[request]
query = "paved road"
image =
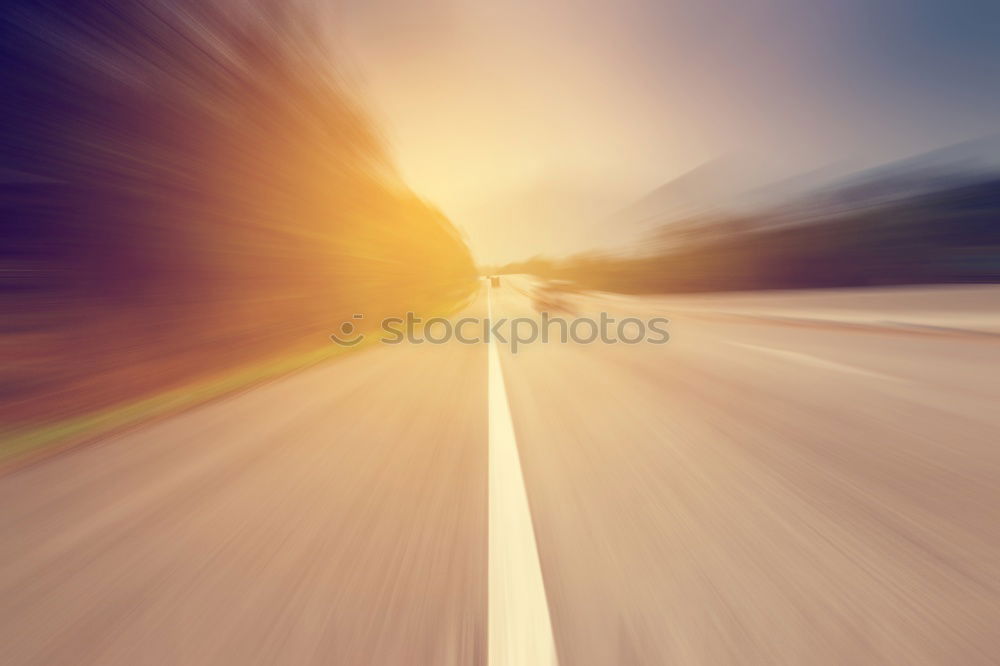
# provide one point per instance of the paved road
(758, 490)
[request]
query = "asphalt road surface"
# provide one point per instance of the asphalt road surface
(786, 481)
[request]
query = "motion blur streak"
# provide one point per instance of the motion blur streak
(704, 503)
(334, 517)
(187, 187)
(694, 503)
(196, 205)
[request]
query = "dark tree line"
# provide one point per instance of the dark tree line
(948, 236)
(185, 185)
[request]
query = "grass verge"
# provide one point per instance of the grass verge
(19, 444)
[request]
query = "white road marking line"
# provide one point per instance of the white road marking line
(519, 627)
(818, 362)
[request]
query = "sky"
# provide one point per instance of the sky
(528, 121)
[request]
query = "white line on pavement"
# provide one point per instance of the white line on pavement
(519, 627)
(816, 361)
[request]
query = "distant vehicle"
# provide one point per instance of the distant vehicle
(494, 280)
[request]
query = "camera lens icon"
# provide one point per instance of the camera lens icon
(347, 337)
